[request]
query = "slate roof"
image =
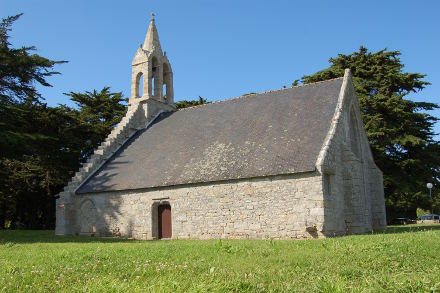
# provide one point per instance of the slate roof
(272, 133)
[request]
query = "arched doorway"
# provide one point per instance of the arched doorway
(164, 221)
(88, 215)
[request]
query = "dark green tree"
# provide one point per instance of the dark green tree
(31, 181)
(41, 146)
(20, 71)
(399, 130)
(190, 103)
(99, 112)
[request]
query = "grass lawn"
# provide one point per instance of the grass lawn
(405, 258)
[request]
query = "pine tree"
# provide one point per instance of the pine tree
(399, 130)
(190, 103)
(20, 71)
(99, 112)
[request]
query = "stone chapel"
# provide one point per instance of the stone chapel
(283, 164)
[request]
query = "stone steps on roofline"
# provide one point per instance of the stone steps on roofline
(114, 140)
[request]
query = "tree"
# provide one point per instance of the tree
(420, 212)
(190, 103)
(30, 182)
(399, 130)
(99, 112)
(20, 70)
(41, 146)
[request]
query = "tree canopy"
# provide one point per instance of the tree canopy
(20, 70)
(41, 146)
(98, 113)
(400, 131)
(32, 176)
(190, 103)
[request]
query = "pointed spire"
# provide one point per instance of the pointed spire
(152, 39)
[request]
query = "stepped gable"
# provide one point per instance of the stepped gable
(272, 133)
(114, 140)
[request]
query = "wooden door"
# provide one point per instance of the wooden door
(165, 221)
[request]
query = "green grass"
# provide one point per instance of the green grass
(404, 259)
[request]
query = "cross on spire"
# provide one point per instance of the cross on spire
(151, 42)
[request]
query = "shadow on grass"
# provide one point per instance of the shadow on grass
(48, 236)
(411, 228)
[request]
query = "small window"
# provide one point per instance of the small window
(152, 87)
(328, 184)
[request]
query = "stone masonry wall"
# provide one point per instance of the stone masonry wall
(355, 202)
(279, 207)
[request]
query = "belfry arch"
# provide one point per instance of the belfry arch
(166, 79)
(139, 85)
(155, 80)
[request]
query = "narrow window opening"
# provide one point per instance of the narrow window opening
(141, 86)
(164, 91)
(328, 184)
(152, 86)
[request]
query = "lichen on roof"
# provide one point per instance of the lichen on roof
(272, 133)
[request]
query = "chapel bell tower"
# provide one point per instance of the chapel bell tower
(152, 76)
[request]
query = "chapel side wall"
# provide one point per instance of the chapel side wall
(278, 207)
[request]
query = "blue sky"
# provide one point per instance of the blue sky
(223, 49)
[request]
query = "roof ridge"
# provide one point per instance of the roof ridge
(261, 93)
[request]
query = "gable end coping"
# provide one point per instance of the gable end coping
(347, 85)
(335, 121)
